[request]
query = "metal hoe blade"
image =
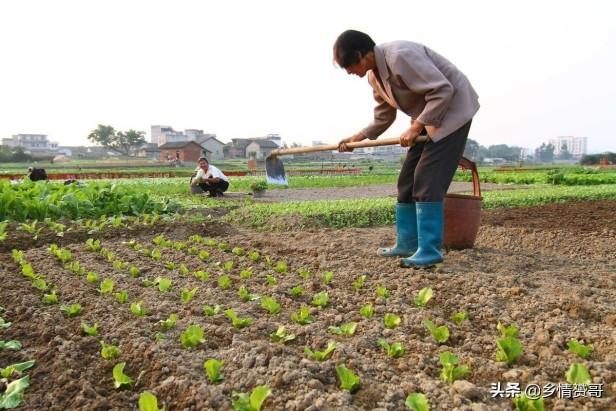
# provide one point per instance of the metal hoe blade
(274, 170)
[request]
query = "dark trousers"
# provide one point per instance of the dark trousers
(429, 167)
(215, 188)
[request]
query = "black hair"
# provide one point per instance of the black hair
(351, 46)
(204, 159)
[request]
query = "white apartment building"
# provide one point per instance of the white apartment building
(577, 146)
(31, 142)
(166, 134)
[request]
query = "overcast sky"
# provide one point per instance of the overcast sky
(248, 68)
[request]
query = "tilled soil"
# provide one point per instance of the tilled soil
(550, 270)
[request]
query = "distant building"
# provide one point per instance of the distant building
(182, 151)
(213, 145)
(149, 150)
(166, 134)
(576, 146)
(31, 142)
(238, 147)
(260, 149)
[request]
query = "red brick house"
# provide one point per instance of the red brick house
(184, 151)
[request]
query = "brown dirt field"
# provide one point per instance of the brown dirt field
(551, 270)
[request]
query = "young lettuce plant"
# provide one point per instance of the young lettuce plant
(239, 251)
(106, 286)
(93, 245)
(359, 283)
(281, 336)
(440, 334)
(193, 250)
(192, 336)
(51, 298)
(523, 403)
(391, 321)
(281, 267)
(188, 295)
(583, 351)
(149, 402)
(296, 291)
(578, 374)
(237, 321)
(270, 280)
(8, 371)
(183, 270)
(121, 296)
(367, 311)
(302, 316)
(346, 330)
(119, 378)
(304, 273)
(348, 380)
(169, 323)
(508, 347)
(224, 246)
(224, 282)
(109, 351)
(320, 299)
(204, 255)
(91, 330)
(394, 350)
(228, 266)
(417, 402)
(422, 298)
(134, 271)
(201, 275)
(245, 295)
(459, 317)
(170, 265)
(13, 394)
(254, 256)
(270, 305)
(328, 277)
(164, 284)
(246, 274)
(321, 356)
(11, 345)
(91, 277)
(210, 311)
(138, 309)
(72, 310)
(212, 368)
(254, 402)
(382, 292)
(450, 371)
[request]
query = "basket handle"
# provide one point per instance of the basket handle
(467, 164)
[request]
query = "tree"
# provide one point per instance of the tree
(118, 141)
(564, 152)
(471, 151)
(545, 153)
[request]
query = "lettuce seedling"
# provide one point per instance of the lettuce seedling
(224, 246)
(201, 275)
(91, 330)
(119, 378)
(391, 321)
(188, 295)
(169, 323)
(40, 284)
(382, 292)
(417, 402)
(270, 280)
(281, 336)
(106, 286)
(578, 374)
(183, 269)
(424, 295)
(18, 256)
(580, 349)
(236, 321)
(245, 295)
(109, 352)
(210, 311)
(10, 345)
(155, 254)
(164, 284)
(509, 331)
(270, 305)
(246, 274)
(8, 371)
(27, 271)
(320, 299)
(254, 256)
(224, 282)
(394, 350)
(508, 349)
(239, 251)
(212, 368)
(450, 372)
(296, 291)
(459, 317)
(440, 334)
(321, 355)
(138, 309)
(91, 277)
(51, 298)
(193, 250)
(159, 240)
(367, 311)
(14, 392)
(110, 256)
(170, 265)
(204, 255)
(359, 283)
(328, 277)
(179, 245)
(523, 403)
(192, 336)
(71, 310)
(196, 238)
(210, 242)
(121, 296)
(134, 271)
(348, 380)
(31, 229)
(304, 273)
(93, 245)
(149, 402)
(120, 265)
(346, 330)
(3, 232)
(268, 261)
(4, 324)
(227, 266)
(302, 316)
(242, 402)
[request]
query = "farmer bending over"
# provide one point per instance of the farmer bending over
(440, 100)
(210, 179)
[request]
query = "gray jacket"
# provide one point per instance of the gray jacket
(422, 84)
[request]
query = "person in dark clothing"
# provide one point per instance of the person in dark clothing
(209, 178)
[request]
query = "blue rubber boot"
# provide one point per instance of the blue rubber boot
(406, 232)
(430, 221)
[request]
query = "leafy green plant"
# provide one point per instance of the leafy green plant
(192, 336)
(359, 283)
(212, 368)
(367, 311)
(296, 291)
(134, 271)
(440, 334)
(254, 402)
(138, 309)
(508, 349)
(423, 296)
(578, 374)
(270, 280)
(224, 282)
(320, 299)
(348, 380)
(303, 272)
(170, 265)
(228, 266)
(523, 403)
(391, 321)
(193, 250)
(394, 350)
(417, 402)
(201, 275)
(204, 255)
(237, 321)
(254, 256)
(328, 277)
(40, 284)
(31, 229)
(239, 251)
(507, 331)
(8, 371)
(321, 355)
(121, 296)
(281, 336)
(93, 245)
(28, 271)
(382, 292)
(302, 316)
(119, 378)
(183, 270)
(459, 317)
(91, 277)
(210, 311)
(224, 246)
(188, 295)
(583, 351)
(169, 323)
(245, 295)
(106, 286)
(149, 402)
(164, 284)
(91, 330)
(210, 242)
(3, 232)
(270, 305)
(246, 274)
(4, 324)
(450, 371)
(13, 394)
(10, 345)
(72, 310)
(346, 330)
(109, 352)
(51, 298)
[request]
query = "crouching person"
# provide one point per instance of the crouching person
(209, 178)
